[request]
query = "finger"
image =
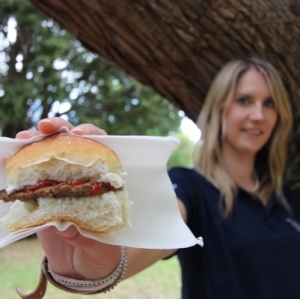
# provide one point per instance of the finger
(88, 129)
(72, 236)
(58, 252)
(70, 233)
(91, 259)
(50, 125)
(27, 134)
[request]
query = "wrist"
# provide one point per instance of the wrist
(84, 286)
(90, 267)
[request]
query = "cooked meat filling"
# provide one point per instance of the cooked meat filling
(59, 190)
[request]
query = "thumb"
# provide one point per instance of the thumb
(70, 233)
(93, 259)
(72, 236)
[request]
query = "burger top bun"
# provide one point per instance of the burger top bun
(63, 157)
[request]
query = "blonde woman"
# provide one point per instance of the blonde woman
(233, 197)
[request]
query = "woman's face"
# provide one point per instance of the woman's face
(251, 116)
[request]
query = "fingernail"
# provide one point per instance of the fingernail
(22, 133)
(78, 131)
(25, 134)
(46, 121)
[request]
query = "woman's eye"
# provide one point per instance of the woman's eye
(243, 101)
(269, 103)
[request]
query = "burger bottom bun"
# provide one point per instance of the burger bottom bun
(104, 213)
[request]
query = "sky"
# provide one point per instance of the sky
(190, 129)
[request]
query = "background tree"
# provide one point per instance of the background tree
(183, 155)
(45, 71)
(176, 47)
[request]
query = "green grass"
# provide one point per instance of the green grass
(20, 264)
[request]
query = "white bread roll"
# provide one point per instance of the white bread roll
(64, 157)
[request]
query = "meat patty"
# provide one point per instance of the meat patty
(58, 191)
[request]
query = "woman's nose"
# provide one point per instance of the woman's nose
(257, 112)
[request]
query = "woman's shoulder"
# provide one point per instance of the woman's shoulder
(293, 201)
(180, 170)
(290, 194)
(188, 177)
(186, 174)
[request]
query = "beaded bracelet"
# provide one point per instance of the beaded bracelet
(104, 284)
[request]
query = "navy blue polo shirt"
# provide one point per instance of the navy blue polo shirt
(255, 254)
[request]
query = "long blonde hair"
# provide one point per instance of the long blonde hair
(270, 160)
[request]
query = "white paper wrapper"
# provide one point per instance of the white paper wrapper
(156, 220)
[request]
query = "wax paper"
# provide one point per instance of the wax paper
(156, 221)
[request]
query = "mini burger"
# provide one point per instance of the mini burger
(66, 178)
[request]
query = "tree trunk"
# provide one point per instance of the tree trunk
(176, 47)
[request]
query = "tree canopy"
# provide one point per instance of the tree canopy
(45, 71)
